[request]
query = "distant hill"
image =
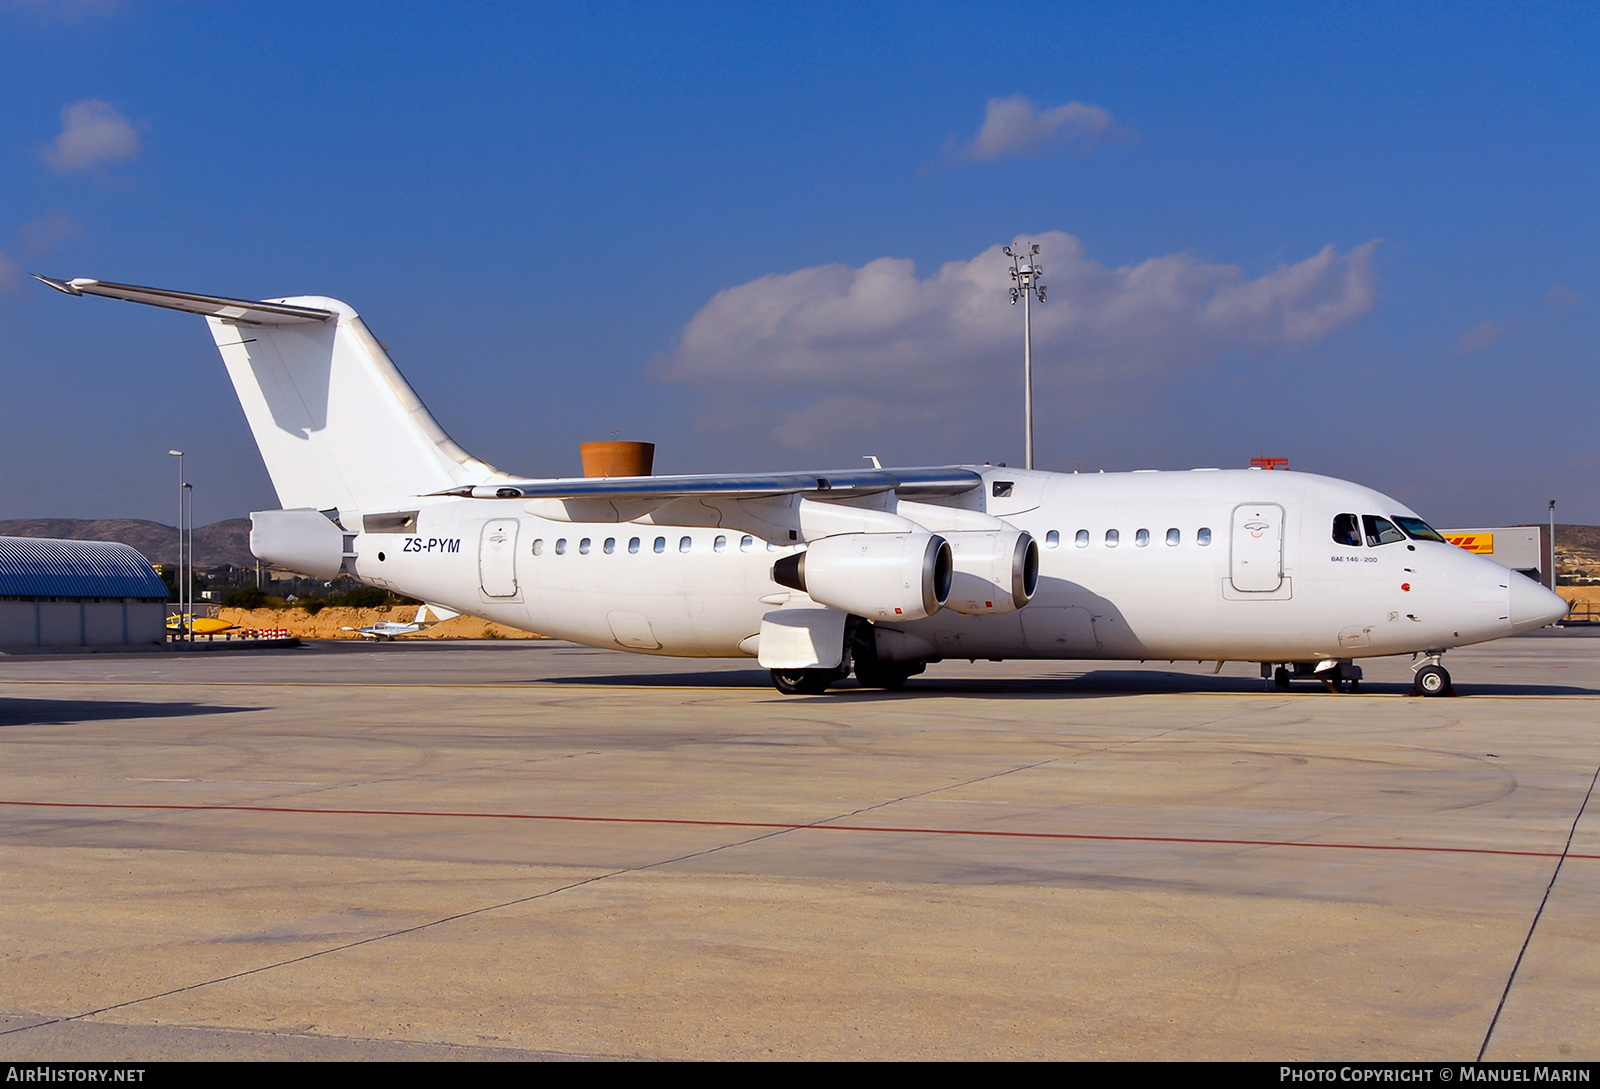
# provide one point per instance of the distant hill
(1578, 542)
(225, 542)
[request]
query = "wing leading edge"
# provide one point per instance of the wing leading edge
(843, 484)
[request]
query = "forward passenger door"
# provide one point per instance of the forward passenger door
(1256, 547)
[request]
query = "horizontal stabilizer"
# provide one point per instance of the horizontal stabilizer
(824, 485)
(212, 306)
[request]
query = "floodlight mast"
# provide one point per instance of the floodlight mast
(1025, 273)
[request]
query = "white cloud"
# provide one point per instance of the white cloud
(1020, 126)
(832, 351)
(92, 132)
(10, 274)
(41, 235)
(1479, 337)
(1564, 297)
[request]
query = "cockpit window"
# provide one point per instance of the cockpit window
(1417, 529)
(1380, 531)
(1347, 530)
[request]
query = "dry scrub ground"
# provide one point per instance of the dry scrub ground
(330, 622)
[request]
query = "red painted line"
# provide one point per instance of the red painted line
(788, 827)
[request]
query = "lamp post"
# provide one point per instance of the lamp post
(1025, 273)
(1553, 571)
(179, 581)
(188, 582)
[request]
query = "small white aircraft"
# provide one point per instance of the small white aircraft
(388, 630)
(876, 571)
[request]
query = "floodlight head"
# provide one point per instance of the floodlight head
(175, 453)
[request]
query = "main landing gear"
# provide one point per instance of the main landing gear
(805, 682)
(1428, 677)
(860, 655)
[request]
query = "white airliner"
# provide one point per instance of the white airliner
(876, 571)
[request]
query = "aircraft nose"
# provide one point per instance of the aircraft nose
(1532, 606)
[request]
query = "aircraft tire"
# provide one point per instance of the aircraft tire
(1432, 680)
(803, 682)
(884, 675)
(1280, 677)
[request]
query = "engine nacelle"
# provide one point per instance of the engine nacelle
(881, 576)
(995, 572)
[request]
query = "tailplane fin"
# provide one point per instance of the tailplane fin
(337, 424)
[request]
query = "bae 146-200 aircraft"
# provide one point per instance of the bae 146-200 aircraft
(817, 575)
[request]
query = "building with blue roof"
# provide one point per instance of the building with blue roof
(78, 594)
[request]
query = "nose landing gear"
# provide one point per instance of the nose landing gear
(1428, 677)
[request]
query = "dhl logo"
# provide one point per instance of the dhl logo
(1481, 543)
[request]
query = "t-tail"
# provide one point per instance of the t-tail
(338, 426)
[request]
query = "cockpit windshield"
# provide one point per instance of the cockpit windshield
(1347, 530)
(1380, 531)
(1417, 529)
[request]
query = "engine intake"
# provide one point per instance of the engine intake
(894, 576)
(994, 572)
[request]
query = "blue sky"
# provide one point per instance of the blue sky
(1362, 238)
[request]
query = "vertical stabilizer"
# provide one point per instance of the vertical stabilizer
(337, 424)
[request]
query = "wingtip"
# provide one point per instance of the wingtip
(64, 286)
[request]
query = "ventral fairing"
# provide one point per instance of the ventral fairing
(818, 575)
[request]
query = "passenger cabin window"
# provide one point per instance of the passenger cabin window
(633, 544)
(1142, 538)
(1173, 537)
(1202, 536)
(720, 544)
(1380, 531)
(685, 543)
(661, 544)
(538, 546)
(561, 547)
(1002, 488)
(1082, 539)
(583, 546)
(746, 543)
(1052, 539)
(1347, 530)
(1113, 538)
(611, 545)
(1418, 530)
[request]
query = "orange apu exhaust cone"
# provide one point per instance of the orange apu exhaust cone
(618, 458)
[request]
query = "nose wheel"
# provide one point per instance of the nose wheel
(1429, 678)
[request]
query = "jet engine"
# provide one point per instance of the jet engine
(994, 572)
(893, 576)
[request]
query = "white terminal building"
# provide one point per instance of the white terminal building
(78, 594)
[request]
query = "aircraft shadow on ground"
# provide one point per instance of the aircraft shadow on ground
(1095, 683)
(32, 712)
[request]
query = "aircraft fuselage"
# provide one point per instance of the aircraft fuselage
(1204, 565)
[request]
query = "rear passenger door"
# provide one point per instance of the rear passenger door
(497, 558)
